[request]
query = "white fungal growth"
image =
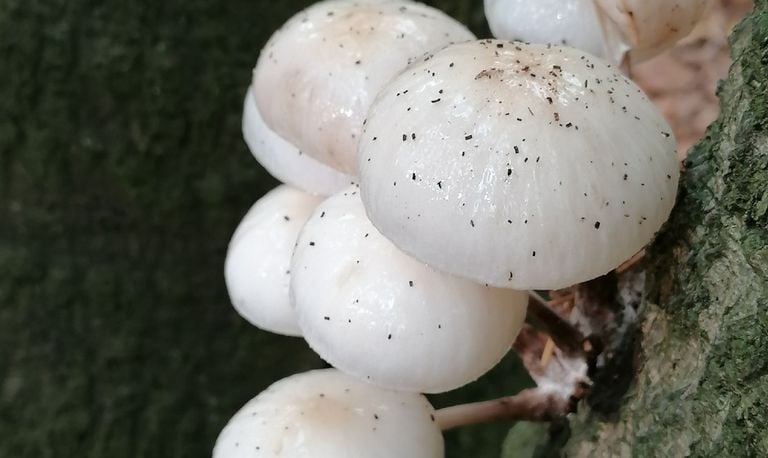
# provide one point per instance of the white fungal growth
(374, 312)
(257, 268)
(319, 73)
(327, 414)
(562, 22)
(523, 166)
(283, 160)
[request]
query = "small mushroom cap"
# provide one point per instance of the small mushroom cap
(562, 22)
(646, 28)
(378, 314)
(283, 160)
(319, 73)
(257, 267)
(523, 166)
(327, 414)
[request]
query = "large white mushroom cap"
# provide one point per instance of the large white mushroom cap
(283, 160)
(522, 166)
(319, 73)
(378, 314)
(613, 29)
(257, 267)
(327, 414)
(563, 22)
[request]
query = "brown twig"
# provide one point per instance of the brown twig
(532, 404)
(629, 263)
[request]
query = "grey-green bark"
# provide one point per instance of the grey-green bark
(700, 386)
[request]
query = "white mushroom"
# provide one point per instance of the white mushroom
(328, 62)
(257, 268)
(523, 166)
(373, 312)
(562, 22)
(327, 414)
(614, 29)
(283, 160)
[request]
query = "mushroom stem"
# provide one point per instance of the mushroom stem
(532, 404)
(569, 339)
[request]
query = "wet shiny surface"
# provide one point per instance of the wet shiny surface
(372, 311)
(319, 73)
(257, 267)
(517, 165)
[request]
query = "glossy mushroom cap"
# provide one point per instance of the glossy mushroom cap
(327, 414)
(319, 73)
(522, 166)
(283, 160)
(374, 312)
(257, 267)
(562, 22)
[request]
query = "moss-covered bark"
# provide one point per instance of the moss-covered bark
(701, 382)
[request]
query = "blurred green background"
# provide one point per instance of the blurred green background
(122, 176)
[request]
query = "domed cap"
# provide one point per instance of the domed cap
(326, 414)
(374, 312)
(319, 73)
(523, 166)
(283, 160)
(257, 267)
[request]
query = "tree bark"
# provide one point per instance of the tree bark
(700, 379)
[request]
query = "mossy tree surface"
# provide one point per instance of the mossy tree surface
(701, 381)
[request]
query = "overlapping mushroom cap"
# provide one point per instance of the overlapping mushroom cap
(283, 160)
(563, 22)
(523, 166)
(257, 267)
(318, 74)
(645, 28)
(374, 312)
(326, 414)
(613, 29)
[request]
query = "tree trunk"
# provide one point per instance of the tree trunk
(700, 379)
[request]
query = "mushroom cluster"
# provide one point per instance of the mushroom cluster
(431, 179)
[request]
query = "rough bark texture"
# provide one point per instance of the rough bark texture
(701, 361)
